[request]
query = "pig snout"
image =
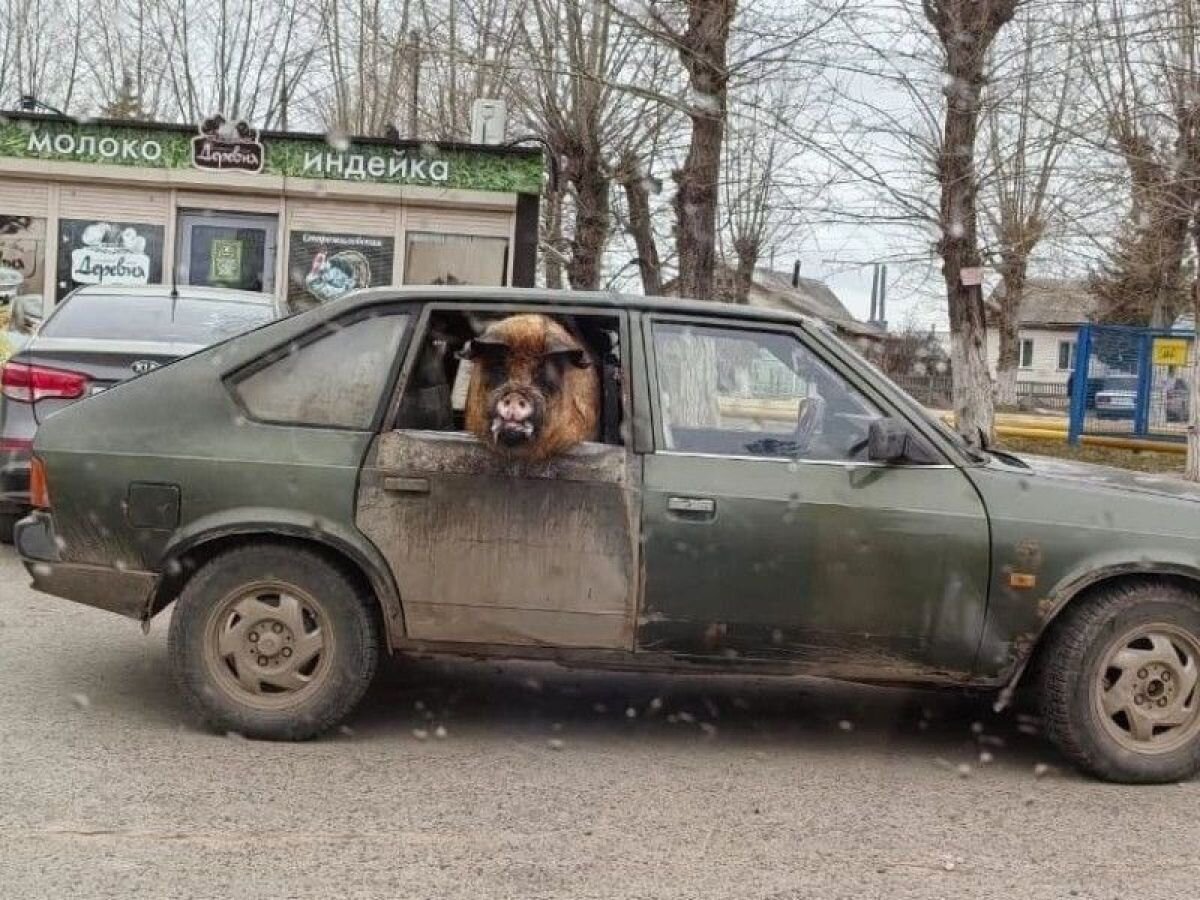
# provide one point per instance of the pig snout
(514, 407)
(516, 414)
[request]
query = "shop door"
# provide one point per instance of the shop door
(232, 250)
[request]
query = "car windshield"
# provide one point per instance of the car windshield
(186, 320)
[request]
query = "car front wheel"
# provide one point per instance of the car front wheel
(1119, 691)
(272, 642)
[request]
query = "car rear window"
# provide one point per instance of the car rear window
(188, 320)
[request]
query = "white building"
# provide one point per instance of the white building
(1051, 312)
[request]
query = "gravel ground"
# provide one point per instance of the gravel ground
(476, 780)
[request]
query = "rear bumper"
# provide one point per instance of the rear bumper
(125, 592)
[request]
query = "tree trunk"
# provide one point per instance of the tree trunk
(966, 29)
(743, 277)
(641, 226)
(592, 220)
(703, 51)
(1009, 358)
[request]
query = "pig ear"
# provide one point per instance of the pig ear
(482, 346)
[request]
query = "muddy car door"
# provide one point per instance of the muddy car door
(490, 550)
(768, 532)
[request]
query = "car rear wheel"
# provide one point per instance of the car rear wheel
(273, 642)
(1119, 683)
(8, 523)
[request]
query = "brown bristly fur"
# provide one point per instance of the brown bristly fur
(572, 414)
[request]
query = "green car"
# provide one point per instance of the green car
(750, 496)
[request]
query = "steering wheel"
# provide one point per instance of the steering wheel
(809, 420)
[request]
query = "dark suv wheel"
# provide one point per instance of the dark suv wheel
(1119, 689)
(272, 641)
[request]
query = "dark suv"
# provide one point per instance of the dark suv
(100, 335)
(755, 498)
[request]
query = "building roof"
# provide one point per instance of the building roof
(809, 297)
(771, 290)
(1051, 302)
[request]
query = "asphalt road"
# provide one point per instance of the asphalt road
(544, 786)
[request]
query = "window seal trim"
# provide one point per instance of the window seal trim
(800, 461)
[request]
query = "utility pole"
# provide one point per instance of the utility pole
(283, 99)
(414, 81)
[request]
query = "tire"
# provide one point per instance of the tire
(1119, 685)
(8, 523)
(273, 685)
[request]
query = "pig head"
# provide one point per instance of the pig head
(534, 389)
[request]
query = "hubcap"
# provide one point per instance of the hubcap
(1146, 691)
(267, 644)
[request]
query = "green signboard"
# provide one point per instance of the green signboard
(151, 147)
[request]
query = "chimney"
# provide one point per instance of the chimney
(796, 274)
(882, 297)
(874, 292)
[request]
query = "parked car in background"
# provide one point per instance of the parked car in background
(97, 337)
(1117, 397)
(755, 499)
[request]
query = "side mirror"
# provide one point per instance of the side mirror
(891, 441)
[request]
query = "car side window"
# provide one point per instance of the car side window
(435, 397)
(732, 392)
(333, 380)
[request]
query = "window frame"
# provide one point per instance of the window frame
(420, 330)
(1070, 366)
(319, 330)
(1022, 343)
(505, 266)
(847, 373)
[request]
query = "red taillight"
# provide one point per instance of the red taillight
(39, 491)
(28, 384)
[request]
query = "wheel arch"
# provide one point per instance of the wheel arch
(1075, 591)
(353, 553)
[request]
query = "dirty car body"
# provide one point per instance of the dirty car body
(716, 528)
(100, 335)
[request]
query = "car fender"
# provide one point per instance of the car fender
(1085, 575)
(267, 521)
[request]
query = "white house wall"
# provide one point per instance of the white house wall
(1044, 368)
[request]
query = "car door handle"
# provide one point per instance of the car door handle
(400, 485)
(692, 507)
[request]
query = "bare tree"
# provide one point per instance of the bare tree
(965, 30)
(40, 43)
(1135, 74)
(576, 56)
(1028, 131)
(239, 58)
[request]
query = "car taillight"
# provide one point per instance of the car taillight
(39, 491)
(28, 384)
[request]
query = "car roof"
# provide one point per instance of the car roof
(601, 300)
(186, 292)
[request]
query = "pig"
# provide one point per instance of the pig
(534, 390)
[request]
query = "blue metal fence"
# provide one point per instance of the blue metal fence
(1131, 381)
